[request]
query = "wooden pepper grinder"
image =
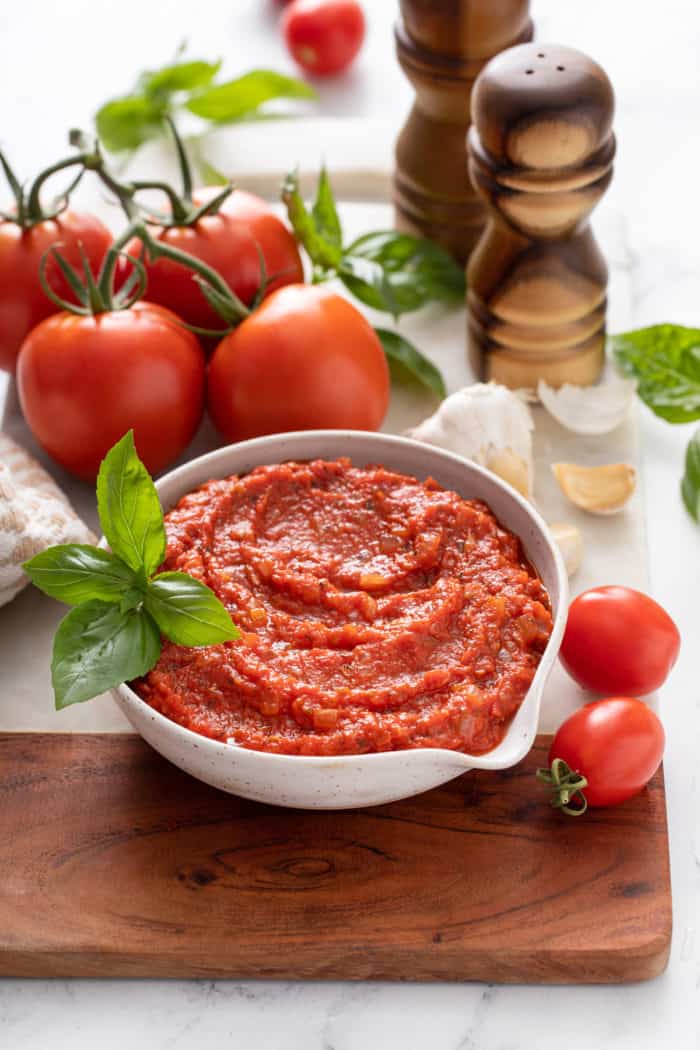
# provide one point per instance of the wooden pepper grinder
(442, 45)
(540, 154)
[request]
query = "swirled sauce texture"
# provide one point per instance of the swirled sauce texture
(378, 612)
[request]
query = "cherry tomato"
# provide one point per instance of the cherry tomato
(228, 242)
(306, 358)
(618, 640)
(23, 302)
(617, 744)
(323, 36)
(84, 381)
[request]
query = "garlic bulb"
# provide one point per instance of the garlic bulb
(599, 490)
(570, 543)
(34, 514)
(488, 424)
(589, 410)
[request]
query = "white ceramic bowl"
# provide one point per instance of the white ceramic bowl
(350, 781)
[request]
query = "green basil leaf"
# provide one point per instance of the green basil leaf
(75, 573)
(180, 76)
(237, 99)
(127, 122)
(130, 512)
(187, 611)
(417, 270)
(325, 212)
(406, 361)
(369, 282)
(324, 253)
(690, 485)
(665, 359)
(97, 646)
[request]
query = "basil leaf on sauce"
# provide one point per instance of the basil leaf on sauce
(187, 611)
(98, 646)
(665, 359)
(690, 485)
(407, 362)
(130, 513)
(77, 572)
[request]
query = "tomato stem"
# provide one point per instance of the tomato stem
(567, 786)
(29, 210)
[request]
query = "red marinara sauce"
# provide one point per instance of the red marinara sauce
(378, 612)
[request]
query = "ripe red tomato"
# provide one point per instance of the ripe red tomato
(276, 242)
(323, 36)
(306, 358)
(228, 242)
(617, 744)
(23, 302)
(618, 640)
(84, 381)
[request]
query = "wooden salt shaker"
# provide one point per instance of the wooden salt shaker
(442, 45)
(540, 154)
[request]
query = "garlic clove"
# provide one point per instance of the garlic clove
(512, 468)
(570, 543)
(488, 424)
(589, 410)
(598, 490)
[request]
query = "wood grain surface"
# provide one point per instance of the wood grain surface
(541, 152)
(114, 863)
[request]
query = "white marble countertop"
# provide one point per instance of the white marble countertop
(57, 63)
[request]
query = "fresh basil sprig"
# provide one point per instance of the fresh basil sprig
(127, 122)
(690, 485)
(122, 606)
(405, 362)
(391, 272)
(665, 361)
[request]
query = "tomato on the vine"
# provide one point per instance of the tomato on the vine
(27, 232)
(615, 745)
(230, 242)
(618, 640)
(84, 381)
(305, 359)
(324, 36)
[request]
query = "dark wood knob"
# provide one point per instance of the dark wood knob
(541, 150)
(442, 46)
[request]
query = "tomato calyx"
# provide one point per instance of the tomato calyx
(28, 209)
(183, 210)
(567, 786)
(95, 295)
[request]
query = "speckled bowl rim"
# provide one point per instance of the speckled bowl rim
(221, 462)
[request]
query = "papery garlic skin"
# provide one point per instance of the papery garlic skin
(589, 410)
(488, 424)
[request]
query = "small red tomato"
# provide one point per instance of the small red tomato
(616, 744)
(84, 381)
(305, 359)
(324, 36)
(618, 640)
(23, 302)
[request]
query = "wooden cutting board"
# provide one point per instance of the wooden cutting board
(116, 864)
